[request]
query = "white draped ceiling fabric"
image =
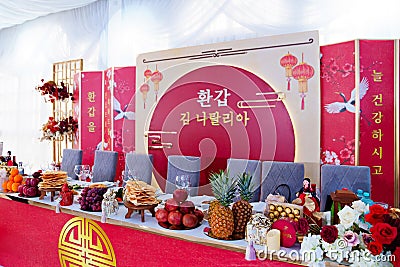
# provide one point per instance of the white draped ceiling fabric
(37, 33)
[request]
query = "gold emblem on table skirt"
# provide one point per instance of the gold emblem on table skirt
(83, 243)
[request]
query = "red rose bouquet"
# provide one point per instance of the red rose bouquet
(365, 236)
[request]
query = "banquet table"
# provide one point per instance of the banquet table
(30, 231)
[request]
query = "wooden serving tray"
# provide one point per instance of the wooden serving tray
(43, 192)
(140, 208)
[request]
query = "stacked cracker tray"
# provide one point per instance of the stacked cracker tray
(140, 193)
(52, 180)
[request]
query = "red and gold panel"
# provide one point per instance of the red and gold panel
(88, 110)
(119, 112)
(377, 134)
(83, 242)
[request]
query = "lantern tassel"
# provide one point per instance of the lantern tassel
(288, 83)
(302, 95)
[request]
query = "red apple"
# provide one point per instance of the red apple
(190, 220)
(175, 217)
(162, 215)
(199, 214)
(180, 195)
(187, 207)
(171, 204)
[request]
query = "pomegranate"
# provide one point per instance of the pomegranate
(25, 190)
(28, 181)
(190, 220)
(162, 215)
(34, 181)
(187, 207)
(171, 204)
(21, 190)
(175, 217)
(180, 195)
(199, 214)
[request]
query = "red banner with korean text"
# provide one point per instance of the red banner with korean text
(88, 109)
(376, 87)
(119, 112)
(377, 136)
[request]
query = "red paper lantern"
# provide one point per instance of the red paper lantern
(156, 78)
(144, 89)
(302, 73)
(147, 74)
(288, 61)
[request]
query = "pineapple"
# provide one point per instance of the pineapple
(221, 218)
(242, 209)
(213, 205)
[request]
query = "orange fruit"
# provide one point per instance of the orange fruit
(5, 185)
(18, 178)
(14, 187)
(11, 178)
(14, 171)
(9, 185)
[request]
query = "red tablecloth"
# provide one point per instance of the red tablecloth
(29, 237)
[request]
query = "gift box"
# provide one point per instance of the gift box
(257, 229)
(276, 210)
(288, 232)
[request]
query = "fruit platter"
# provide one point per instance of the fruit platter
(179, 213)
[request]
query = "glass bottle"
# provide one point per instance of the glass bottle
(20, 168)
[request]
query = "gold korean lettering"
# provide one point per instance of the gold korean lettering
(377, 134)
(377, 76)
(91, 127)
(91, 96)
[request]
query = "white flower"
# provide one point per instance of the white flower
(310, 242)
(310, 248)
(341, 229)
(328, 157)
(348, 216)
(360, 206)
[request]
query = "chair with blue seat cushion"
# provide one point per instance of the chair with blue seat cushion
(139, 165)
(105, 166)
(183, 165)
(335, 177)
(70, 158)
(237, 167)
(284, 178)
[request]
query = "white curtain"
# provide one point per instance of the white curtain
(109, 33)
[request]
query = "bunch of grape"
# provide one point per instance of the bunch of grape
(90, 199)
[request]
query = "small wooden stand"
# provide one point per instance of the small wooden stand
(340, 199)
(131, 208)
(52, 191)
